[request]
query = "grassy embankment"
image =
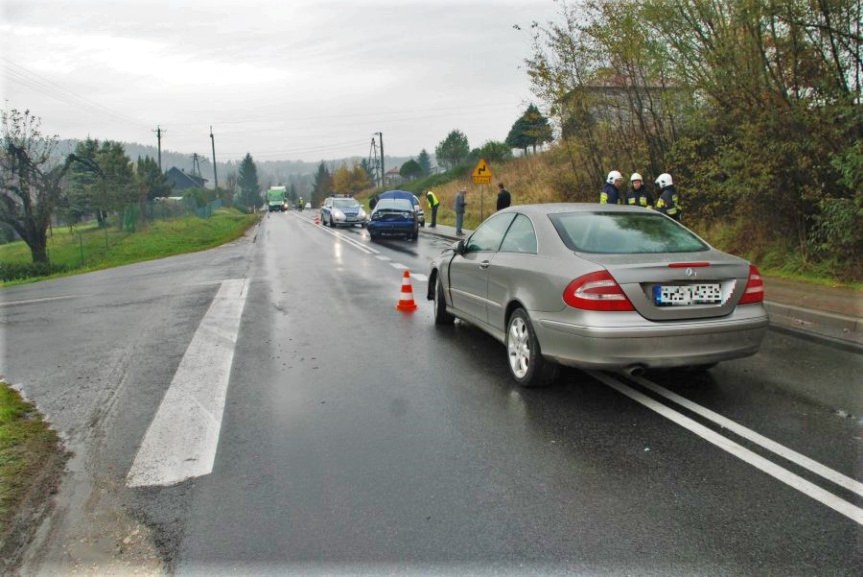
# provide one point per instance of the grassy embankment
(536, 178)
(89, 248)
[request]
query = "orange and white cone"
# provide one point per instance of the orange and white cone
(406, 298)
(317, 219)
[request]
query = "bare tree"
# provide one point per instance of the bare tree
(29, 182)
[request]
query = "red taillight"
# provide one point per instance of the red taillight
(754, 291)
(596, 291)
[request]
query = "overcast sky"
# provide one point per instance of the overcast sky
(280, 79)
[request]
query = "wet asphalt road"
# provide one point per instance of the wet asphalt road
(360, 440)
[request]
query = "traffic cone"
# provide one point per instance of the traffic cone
(406, 298)
(317, 219)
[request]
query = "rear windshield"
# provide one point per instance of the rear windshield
(624, 233)
(394, 204)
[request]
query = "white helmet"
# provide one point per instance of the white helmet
(663, 180)
(612, 176)
(635, 176)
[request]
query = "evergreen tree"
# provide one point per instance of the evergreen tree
(532, 129)
(247, 180)
(152, 184)
(411, 169)
(425, 162)
(323, 184)
(81, 178)
(115, 185)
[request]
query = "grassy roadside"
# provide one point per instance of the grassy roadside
(89, 248)
(31, 464)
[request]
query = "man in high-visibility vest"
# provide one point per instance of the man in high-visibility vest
(433, 203)
(668, 201)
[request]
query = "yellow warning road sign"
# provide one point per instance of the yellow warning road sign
(482, 172)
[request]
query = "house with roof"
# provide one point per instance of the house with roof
(393, 177)
(181, 180)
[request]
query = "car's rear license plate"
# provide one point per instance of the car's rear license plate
(682, 295)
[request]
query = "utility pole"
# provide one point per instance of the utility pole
(383, 170)
(159, 140)
(215, 174)
(196, 167)
(373, 162)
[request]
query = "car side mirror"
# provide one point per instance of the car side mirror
(460, 248)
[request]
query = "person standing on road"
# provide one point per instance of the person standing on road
(373, 201)
(668, 201)
(459, 208)
(638, 194)
(433, 203)
(504, 199)
(611, 190)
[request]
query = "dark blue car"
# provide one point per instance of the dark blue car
(393, 216)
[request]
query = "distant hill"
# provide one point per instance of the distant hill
(270, 172)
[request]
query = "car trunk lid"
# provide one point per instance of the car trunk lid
(672, 287)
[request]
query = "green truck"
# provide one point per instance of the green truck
(277, 197)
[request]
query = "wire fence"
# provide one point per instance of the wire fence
(80, 244)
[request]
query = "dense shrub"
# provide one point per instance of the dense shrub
(18, 271)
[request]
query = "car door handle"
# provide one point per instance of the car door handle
(484, 264)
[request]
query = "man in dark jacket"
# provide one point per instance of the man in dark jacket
(668, 202)
(611, 190)
(459, 209)
(638, 194)
(504, 199)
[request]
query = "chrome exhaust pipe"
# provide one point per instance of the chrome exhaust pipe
(634, 370)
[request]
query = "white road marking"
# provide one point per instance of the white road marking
(367, 250)
(181, 441)
(784, 452)
(43, 300)
(795, 481)
(352, 242)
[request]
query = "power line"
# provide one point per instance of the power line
(42, 85)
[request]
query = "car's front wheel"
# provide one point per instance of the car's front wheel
(441, 316)
(526, 364)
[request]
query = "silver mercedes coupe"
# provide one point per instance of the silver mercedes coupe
(599, 287)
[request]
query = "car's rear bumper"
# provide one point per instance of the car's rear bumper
(391, 229)
(646, 344)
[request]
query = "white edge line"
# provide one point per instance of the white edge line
(789, 454)
(795, 481)
(42, 300)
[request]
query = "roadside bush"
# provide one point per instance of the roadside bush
(18, 271)
(201, 197)
(837, 236)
